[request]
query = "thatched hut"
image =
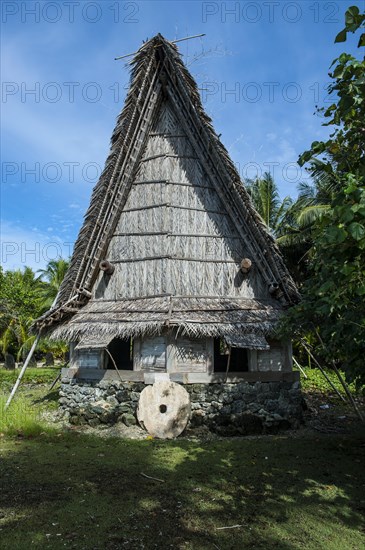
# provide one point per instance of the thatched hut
(173, 271)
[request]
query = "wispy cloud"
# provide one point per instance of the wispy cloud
(22, 247)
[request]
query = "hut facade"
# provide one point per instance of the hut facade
(174, 275)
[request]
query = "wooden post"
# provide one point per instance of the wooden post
(228, 363)
(107, 267)
(24, 368)
(55, 382)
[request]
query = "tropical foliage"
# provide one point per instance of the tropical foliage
(53, 275)
(295, 233)
(20, 302)
(265, 197)
(23, 297)
(333, 296)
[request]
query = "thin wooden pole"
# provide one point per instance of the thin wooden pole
(188, 38)
(300, 368)
(343, 383)
(55, 381)
(348, 393)
(114, 363)
(24, 368)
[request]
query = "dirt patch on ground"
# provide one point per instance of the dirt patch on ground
(327, 414)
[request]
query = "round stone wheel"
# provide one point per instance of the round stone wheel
(164, 409)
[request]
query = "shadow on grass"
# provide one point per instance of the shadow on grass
(80, 492)
(49, 397)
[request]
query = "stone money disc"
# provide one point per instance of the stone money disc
(164, 409)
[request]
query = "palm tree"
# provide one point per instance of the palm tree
(17, 336)
(265, 197)
(292, 222)
(52, 277)
(295, 234)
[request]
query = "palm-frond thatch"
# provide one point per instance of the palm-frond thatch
(172, 215)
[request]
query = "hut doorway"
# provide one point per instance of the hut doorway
(239, 357)
(120, 352)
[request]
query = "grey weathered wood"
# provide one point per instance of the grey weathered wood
(252, 360)
(272, 359)
(185, 378)
(88, 359)
(102, 374)
(190, 355)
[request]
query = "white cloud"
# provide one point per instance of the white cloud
(271, 136)
(22, 247)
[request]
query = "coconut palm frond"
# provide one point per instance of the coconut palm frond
(295, 238)
(265, 197)
(50, 280)
(279, 217)
(309, 215)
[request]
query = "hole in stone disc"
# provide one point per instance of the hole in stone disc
(163, 408)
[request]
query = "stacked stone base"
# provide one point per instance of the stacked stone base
(226, 409)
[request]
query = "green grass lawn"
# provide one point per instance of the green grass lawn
(30, 401)
(64, 489)
(44, 375)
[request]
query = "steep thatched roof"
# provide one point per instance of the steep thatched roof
(160, 83)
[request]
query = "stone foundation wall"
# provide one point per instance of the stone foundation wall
(227, 409)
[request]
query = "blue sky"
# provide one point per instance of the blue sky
(262, 68)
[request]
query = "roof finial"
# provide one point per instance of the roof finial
(172, 42)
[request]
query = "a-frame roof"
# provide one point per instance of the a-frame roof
(159, 77)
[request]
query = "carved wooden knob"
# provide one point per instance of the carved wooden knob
(246, 265)
(107, 267)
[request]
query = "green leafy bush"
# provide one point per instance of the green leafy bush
(316, 382)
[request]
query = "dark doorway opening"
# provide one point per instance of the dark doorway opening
(122, 353)
(239, 358)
